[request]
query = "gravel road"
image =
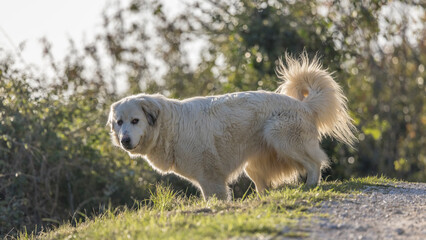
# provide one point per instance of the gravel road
(396, 211)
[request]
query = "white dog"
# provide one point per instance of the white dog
(271, 136)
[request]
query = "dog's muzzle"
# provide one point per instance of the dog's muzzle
(126, 142)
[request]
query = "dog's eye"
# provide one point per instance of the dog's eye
(120, 122)
(135, 121)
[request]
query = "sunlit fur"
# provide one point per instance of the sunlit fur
(210, 141)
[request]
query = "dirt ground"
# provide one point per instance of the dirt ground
(396, 211)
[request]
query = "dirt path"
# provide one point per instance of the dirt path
(381, 212)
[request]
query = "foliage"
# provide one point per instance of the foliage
(384, 82)
(56, 161)
(163, 198)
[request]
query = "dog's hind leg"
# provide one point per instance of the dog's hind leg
(289, 143)
(312, 165)
(311, 160)
(317, 160)
(313, 172)
(257, 176)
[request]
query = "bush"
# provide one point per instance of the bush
(56, 159)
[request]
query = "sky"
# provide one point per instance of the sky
(27, 21)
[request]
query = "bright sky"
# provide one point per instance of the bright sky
(28, 21)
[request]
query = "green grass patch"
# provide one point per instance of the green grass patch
(171, 215)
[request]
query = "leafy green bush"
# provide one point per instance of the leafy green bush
(56, 159)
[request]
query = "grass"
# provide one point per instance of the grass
(170, 215)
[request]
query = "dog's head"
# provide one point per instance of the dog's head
(132, 121)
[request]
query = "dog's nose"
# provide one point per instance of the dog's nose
(125, 141)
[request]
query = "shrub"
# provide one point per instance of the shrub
(56, 159)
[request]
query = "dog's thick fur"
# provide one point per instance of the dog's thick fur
(272, 137)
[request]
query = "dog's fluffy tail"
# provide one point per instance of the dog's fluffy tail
(308, 82)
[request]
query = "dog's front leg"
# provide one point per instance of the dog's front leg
(214, 189)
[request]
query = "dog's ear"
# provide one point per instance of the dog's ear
(151, 109)
(110, 116)
(109, 123)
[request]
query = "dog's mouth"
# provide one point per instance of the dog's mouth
(130, 149)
